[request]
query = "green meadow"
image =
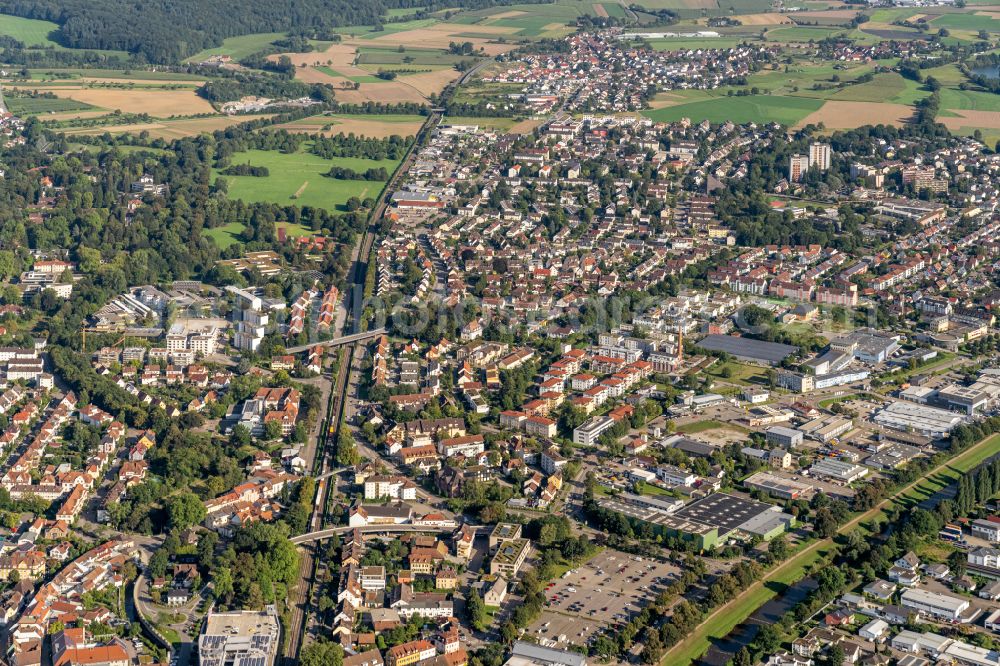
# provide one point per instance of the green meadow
(297, 179)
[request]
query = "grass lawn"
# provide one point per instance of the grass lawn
(823, 404)
(226, 235)
(357, 79)
(681, 43)
(298, 179)
(294, 230)
(967, 21)
(239, 47)
(655, 491)
(702, 426)
(802, 34)
(751, 108)
(29, 31)
(739, 373)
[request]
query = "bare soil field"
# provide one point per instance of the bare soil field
(847, 115)
(357, 126)
(441, 35)
(770, 18)
(599, 10)
(157, 103)
(983, 119)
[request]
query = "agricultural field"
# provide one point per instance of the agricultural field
(177, 128)
(748, 109)
(157, 102)
(32, 106)
(544, 20)
(372, 125)
(29, 31)
(239, 47)
(298, 179)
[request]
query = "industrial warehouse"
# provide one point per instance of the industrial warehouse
(710, 521)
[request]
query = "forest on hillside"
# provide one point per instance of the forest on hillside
(167, 31)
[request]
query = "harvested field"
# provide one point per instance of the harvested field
(157, 103)
(846, 14)
(599, 10)
(524, 126)
(170, 129)
(388, 92)
(365, 126)
(981, 119)
(72, 115)
(665, 99)
(338, 56)
(504, 15)
(137, 82)
(314, 75)
(848, 115)
(430, 82)
(770, 18)
(441, 35)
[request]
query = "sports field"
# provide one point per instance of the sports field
(297, 179)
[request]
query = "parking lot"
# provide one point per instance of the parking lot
(607, 590)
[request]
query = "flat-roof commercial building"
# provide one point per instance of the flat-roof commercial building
(708, 521)
(662, 520)
(748, 349)
(529, 654)
(509, 557)
(866, 346)
(776, 486)
(911, 417)
(588, 432)
(827, 428)
(838, 470)
(504, 532)
(782, 436)
(965, 398)
(942, 606)
(893, 456)
(805, 383)
(241, 638)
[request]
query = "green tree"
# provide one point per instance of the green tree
(184, 510)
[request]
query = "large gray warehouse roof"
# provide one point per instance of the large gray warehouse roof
(770, 352)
